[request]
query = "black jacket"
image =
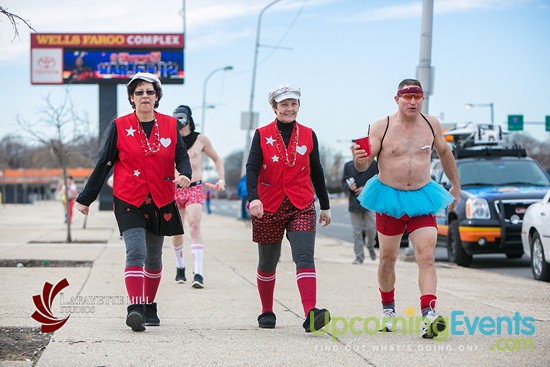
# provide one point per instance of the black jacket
(360, 179)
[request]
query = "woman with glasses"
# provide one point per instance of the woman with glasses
(404, 196)
(143, 147)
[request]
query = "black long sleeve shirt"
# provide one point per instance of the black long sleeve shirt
(255, 159)
(109, 156)
(361, 179)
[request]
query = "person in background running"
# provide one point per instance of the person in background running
(190, 199)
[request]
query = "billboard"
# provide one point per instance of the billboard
(107, 58)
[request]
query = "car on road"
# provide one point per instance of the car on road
(498, 184)
(535, 237)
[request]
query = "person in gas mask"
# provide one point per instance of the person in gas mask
(190, 199)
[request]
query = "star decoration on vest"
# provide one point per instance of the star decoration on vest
(136, 173)
(269, 140)
(130, 131)
(275, 158)
(148, 200)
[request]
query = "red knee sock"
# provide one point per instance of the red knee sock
(307, 285)
(388, 299)
(151, 284)
(427, 303)
(133, 277)
(266, 287)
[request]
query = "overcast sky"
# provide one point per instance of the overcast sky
(346, 55)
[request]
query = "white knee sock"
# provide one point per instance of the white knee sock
(178, 251)
(197, 250)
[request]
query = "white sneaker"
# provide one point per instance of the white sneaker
(388, 321)
(432, 325)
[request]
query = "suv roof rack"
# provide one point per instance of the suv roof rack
(475, 134)
(486, 151)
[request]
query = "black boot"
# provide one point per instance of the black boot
(135, 317)
(267, 320)
(316, 320)
(151, 318)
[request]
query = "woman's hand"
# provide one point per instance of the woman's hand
(82, 208)
(182, 181)
(324, 217)
(256, 208)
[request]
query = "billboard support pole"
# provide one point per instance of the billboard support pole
(107, 114)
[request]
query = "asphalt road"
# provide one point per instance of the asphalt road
(341, 228)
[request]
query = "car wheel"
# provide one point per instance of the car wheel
(455, 251)
(539, 266)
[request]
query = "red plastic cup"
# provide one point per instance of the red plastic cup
(364, 143)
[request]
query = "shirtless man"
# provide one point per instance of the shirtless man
(404, 197)
(190, 200)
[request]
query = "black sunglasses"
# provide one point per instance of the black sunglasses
(139, 93)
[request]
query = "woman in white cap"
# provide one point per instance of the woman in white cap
(142, 147)
(283, 173)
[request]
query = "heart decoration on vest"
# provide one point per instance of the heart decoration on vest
(301, 149)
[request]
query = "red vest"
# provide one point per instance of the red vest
(276, 179)
(136, 175)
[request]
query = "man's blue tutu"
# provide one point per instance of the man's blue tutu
(383, 199)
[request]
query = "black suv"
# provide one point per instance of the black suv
(497, 186)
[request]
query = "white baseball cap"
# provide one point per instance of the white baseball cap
(148, 77)
(284, 91)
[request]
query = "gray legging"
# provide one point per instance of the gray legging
(143, 248)
(302, 245)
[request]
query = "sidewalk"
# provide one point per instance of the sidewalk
(216, 326)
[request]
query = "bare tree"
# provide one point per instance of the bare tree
(333, 164)
(536, 149)
(13, 152)
(232, 167)
(14, 18)
(60, 129)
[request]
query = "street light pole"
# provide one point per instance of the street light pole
(491, 105)
(251, 104)
(225, 68)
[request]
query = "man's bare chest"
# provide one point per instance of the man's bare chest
(413, 141)
(195, 151)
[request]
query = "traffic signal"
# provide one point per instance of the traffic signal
(515, 122)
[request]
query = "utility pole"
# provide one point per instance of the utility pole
(424, 71)
(251, 105)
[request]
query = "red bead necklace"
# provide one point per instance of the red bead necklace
(149, 148)
(291, 146)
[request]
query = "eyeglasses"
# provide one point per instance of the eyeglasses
(408, 97)
(139, 93)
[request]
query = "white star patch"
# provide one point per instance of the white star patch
(136, 173)
(275, 158)
(269, 140)
(130, 131)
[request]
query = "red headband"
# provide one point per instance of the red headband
(410, 90)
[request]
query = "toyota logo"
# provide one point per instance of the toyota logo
(46, 62)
